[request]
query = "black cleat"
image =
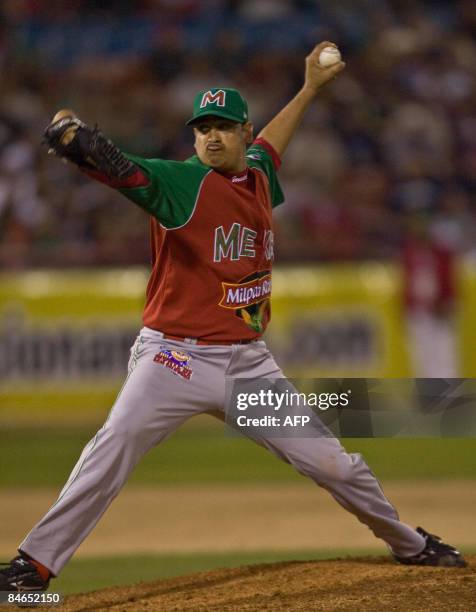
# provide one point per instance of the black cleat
(21, 575)
(436, 553)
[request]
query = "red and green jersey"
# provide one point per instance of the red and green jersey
(212, 245)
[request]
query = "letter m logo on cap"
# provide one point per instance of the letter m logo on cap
(217, 98)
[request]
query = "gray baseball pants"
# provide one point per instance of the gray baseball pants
(154, 401)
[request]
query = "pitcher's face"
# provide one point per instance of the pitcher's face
(221, 143)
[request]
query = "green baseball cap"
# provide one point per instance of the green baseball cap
(220, 102)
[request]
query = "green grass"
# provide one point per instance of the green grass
(44, 457)
(89, 574)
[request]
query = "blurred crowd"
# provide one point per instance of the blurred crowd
(389, 146)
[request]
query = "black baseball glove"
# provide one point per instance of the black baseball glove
(71, 139)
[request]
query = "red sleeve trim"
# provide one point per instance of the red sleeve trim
(138, 179)
(269, 148)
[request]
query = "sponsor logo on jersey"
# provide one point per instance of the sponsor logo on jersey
(243, 294)
(217, 98)
(249, 298)
(240, 179)
(176, 361)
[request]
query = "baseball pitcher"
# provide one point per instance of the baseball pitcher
(207, 306)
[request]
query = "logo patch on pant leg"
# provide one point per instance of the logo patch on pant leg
(176, 361)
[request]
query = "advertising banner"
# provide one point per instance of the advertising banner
(68, 333)
(339, 320)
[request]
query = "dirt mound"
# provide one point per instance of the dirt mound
(366, 583)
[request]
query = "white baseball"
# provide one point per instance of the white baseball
(329, 56)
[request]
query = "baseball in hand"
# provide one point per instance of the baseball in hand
(69, 133)
(329, 56)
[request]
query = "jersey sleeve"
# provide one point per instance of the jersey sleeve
(261, 155)
(171, 192)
